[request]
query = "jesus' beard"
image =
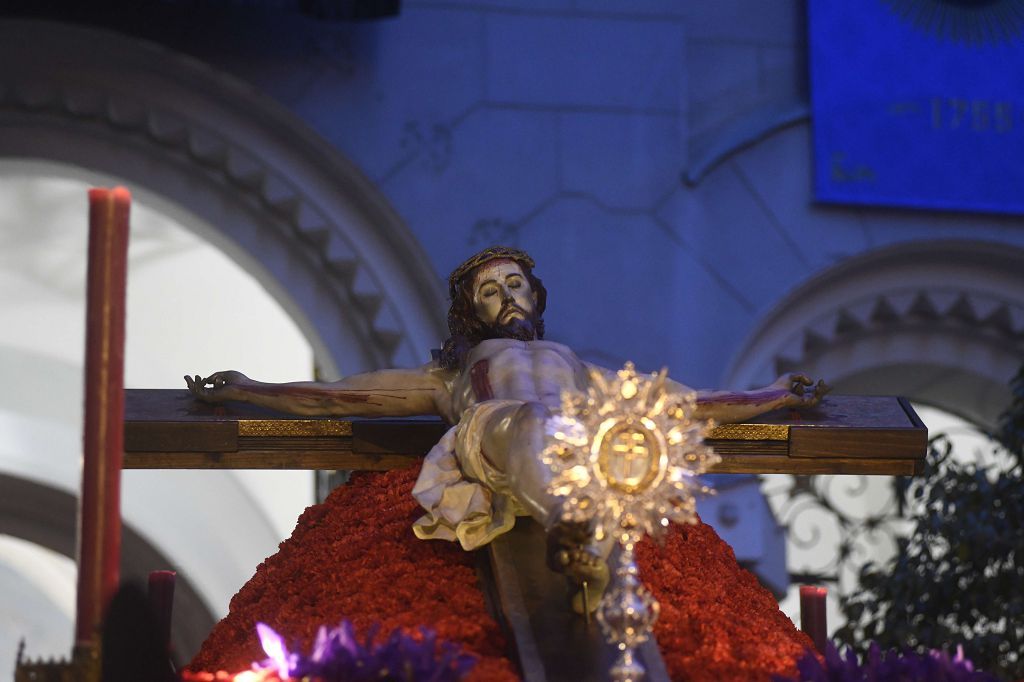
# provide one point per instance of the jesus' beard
(519, 328)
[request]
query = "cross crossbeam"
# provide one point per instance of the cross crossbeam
(169, 429)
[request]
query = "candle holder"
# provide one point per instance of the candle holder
(626, 456)
(84, 666)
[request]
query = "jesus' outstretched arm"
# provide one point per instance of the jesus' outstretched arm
(730, 407)
(382, 393)
(789, 390)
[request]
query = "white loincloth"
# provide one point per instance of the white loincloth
(466, 498)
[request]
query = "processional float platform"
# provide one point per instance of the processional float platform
(169, 429)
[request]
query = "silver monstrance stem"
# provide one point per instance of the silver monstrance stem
(628, 611)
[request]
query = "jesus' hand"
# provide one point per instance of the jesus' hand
(803, 391)
(217, 387)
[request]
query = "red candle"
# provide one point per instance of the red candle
(99, 512)
(161, 598)
(813, 619)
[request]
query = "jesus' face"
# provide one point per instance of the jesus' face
(504, 300)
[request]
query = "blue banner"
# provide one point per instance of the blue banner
(919, 103)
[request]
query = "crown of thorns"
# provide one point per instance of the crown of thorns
(486, 256)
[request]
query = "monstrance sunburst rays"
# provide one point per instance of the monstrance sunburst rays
(626, 456)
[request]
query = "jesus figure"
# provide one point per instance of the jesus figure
(497, 382)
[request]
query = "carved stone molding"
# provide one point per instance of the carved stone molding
(941, 322)
(238, 167)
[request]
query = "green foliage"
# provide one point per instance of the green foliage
(1011, 427)
(959, 577)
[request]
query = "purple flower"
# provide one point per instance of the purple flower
(339, 657)
(891, 666)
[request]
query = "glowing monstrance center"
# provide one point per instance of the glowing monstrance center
(628, 454)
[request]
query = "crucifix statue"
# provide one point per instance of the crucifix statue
(497, 382)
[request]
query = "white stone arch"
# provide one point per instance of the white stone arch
(251, 178)
(269, 191)
(940, 322)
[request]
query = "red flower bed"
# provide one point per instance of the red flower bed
(717, 621)
(355, 557)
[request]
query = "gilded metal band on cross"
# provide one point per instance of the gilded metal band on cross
(295, 428)
(750, 432)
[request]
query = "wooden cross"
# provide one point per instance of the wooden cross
(169, 429)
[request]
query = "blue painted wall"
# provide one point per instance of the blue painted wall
(655, 156)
